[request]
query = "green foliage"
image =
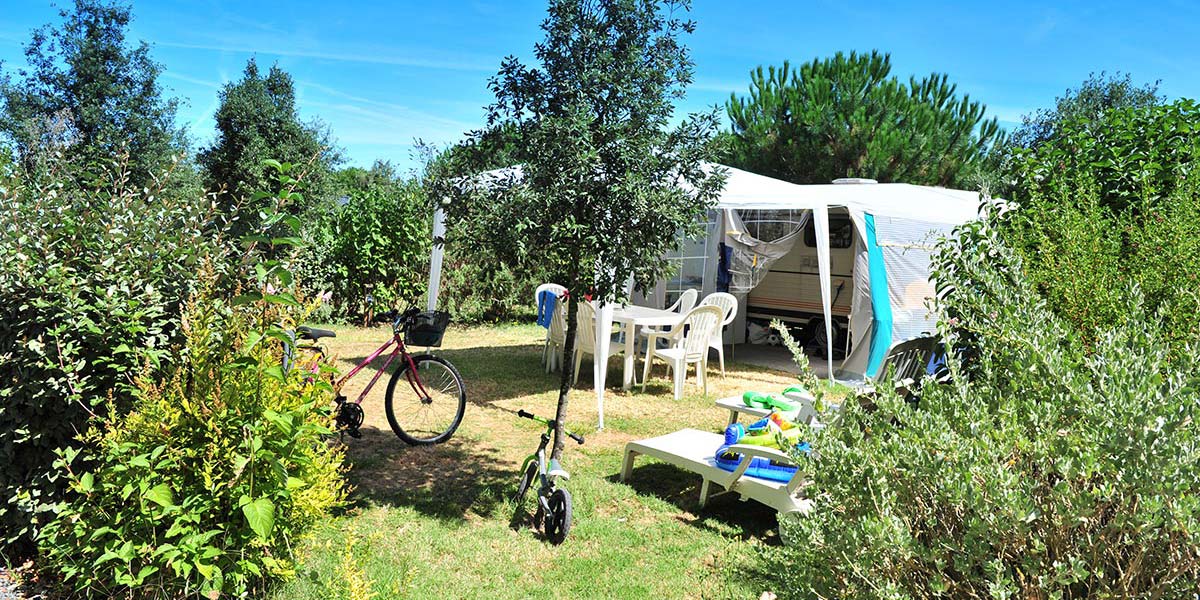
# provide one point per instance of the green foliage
(93, 281)
(1088, 103)
(381, 243)
(1135, 156)
(808, 379)
(208, 483)
(599, 198)
(258, 120)
(846, 116)
(1110, 204)
(477, 288)
(1049, 472)
(204, 487)
(91, 96)
(372, 241)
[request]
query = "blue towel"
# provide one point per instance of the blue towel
(546, 302)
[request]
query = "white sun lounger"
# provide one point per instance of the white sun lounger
(694, 450)
(735, 406)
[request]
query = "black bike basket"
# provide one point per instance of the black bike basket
(426, 329)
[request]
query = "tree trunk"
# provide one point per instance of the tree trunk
(568, 372)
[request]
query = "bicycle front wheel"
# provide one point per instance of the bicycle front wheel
(425, 404)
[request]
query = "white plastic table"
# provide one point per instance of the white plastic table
(640, 316)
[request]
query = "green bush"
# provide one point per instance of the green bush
(1112, 204)
(1048, 472)
(92, 279)
(477, 288)
(374, 242)
(1135, 155)
(204, 487)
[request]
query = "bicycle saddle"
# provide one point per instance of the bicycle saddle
(556, 470)
(310, 333)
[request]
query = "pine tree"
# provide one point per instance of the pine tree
(847, 116)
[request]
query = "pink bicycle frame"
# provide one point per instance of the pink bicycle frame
(410, 372)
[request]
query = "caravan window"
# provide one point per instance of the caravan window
(692, 261)
(841, 232)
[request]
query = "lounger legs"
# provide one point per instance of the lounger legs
(627, 466)
(627, 472)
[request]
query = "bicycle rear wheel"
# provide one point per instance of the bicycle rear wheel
(421, 419)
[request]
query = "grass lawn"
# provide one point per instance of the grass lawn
(437, 522)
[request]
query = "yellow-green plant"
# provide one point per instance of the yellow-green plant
(206, 484)
(202, 488)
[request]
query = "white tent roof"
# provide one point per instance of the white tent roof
(745, 190)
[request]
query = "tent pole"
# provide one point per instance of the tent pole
(603, 329)
(821, 226)
(435, 258)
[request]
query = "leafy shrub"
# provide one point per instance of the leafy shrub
(1134, 155)
(93, 278)
(1050, 472)
(478, 288)
(374, 242)
(205, 485)
(1109, 205)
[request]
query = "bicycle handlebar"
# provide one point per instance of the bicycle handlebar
(547, 422)
(384, 317)
(396, 317)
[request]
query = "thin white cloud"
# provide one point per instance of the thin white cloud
(192, 80)
(389, 108)
(383, 57)
(1010, 114)
(1043, 29)
(356, 124)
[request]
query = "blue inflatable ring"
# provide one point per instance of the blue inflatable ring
(759, 467)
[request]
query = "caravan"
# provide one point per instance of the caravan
(853, 256)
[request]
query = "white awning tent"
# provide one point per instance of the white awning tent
(896, 225)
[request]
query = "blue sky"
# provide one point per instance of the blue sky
(381, 74)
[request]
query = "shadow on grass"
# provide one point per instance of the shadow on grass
(723, 513)
(497, 373)
(445, 481)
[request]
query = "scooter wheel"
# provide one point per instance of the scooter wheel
(557, 522)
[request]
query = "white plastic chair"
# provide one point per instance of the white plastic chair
(556, 336)
(686, 301)
(686, 344)
(557, 290)
(729, 304)
(585, 337)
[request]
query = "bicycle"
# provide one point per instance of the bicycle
(554, 503)
(425, 411)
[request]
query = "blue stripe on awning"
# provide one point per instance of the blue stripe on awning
(881, 306)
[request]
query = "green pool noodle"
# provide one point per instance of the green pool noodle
(768, 401)
(766, 437)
